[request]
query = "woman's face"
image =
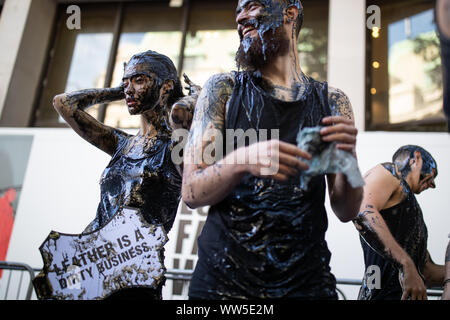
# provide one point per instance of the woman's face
(140, 88)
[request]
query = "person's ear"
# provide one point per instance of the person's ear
(166, 90)
(415, 159)
(417, 156)
(291, 14)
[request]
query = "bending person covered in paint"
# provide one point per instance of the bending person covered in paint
(264, 237)
(141, 173)
(392, 228)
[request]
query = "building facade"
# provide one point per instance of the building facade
(383, 54)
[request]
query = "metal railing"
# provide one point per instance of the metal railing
(183, 275)
(171, 274)
(22, 268)
(432, 292)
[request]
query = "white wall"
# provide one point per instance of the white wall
(347, 53)
(61, 192)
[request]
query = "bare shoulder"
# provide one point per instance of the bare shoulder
(219, 84)
(381, 177)
(339, 103)
(213, 98)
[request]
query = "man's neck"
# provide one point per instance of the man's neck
(283, 77)
(283, 71)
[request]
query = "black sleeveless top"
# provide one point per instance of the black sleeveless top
(150, 183)
(405, 222)
(266, 239)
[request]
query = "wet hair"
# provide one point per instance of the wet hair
(163, 67)
(285, 4)
(402, 156)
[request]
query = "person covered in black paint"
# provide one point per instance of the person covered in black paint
(141, 173)
(264, 237)
(392, 229)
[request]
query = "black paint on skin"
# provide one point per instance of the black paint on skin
(266, 239)
(406, 223)
(268, 25)
(406, 153)
(141, 173)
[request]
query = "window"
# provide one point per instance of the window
(111, 33)
(404, 68)
(78, 59)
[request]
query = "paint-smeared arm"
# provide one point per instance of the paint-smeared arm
(206, 181)
(433, 273)
(182, 111)
(340, 127)
(208, 178)
(379, 188)
(446, 294)
(72, 106)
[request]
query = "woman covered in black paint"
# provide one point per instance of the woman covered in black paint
(141, 173)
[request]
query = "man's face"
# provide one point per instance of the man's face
(247, 15)
(426, 181)
(421, 180)
(140, 88)
(260, 28)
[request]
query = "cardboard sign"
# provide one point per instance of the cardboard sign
(125, 253)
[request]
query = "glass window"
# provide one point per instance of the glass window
(209, 52)
(89, 63)
(405, 89)
(313, 39)
(146, 26)
(78, 58)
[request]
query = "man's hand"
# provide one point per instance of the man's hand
(182, 112)
(270, 159)
(446, 293)
(341, 130)
(412, 284)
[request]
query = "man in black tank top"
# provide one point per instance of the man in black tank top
(265, 237)
(393, 231)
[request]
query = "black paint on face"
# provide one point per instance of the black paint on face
(255, 53)
(144, 76)
(267, 18)
(141, 93)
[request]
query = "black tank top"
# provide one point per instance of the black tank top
(266, 239)
(150, 183)
(405, 222)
